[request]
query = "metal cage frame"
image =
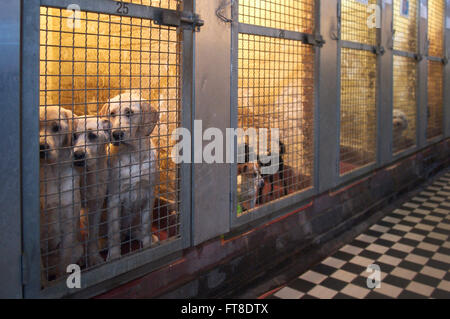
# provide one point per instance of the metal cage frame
(417, 56)
(302, 195)
(439, 59)
(30, 189)
(21, 270)
(377, 49)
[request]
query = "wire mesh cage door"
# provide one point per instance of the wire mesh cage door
(405, 63)
(358, 86)
(111, 93)
(435, 111)
(274, 77)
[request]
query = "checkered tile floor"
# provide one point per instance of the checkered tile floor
(411, 246)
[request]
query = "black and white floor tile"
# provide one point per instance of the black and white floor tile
(411, 246)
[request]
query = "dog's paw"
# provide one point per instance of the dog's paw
(113, 253)
(155, 239)
(146, 241)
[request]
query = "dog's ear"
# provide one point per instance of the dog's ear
(70, 119)
(150, 118)
(104, 111)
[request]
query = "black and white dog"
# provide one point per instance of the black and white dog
(279, 171)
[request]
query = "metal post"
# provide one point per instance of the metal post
(30, 148)
(385, 87)
(328, 98)
(447, 72)
(10, 220)
(212, 100)
(423, 74)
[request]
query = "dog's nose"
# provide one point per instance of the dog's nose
(79, 155)
(118, 135)
(79, 158)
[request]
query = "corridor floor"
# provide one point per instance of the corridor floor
(411, 247)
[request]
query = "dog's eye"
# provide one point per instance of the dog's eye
(113, 114)
(75, 136)
(56, 128)
(92, 136)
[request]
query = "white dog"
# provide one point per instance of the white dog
(90, 138)
(400, 123)
(60, 195)
(133, 169)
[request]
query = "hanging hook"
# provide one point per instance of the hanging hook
(220, 11)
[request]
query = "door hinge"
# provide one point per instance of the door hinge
(316, 40)
(379, 50)
(418, 57)
(445, 60)
(189, 21)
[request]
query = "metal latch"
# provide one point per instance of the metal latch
(445, 60)
(379, 50)
(180, 19)
(316, 40)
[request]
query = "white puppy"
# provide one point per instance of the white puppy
(90, 138)
(60, 195)
(133, 170)
(399, 122)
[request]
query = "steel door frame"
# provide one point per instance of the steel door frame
(366, 169)
(427, 57)
(10, 129)
(129, 267)
(413, 55)
(276, 207)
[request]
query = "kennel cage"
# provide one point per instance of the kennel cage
(274, 59)
(358, 86)
(109, 71)
(405, 66)
(257, 35)
(435, 42)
